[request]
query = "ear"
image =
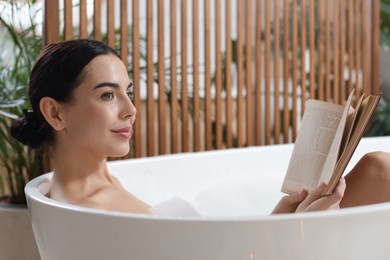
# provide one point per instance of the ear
(50, 110)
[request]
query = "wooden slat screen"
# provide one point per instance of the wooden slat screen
(228, 73)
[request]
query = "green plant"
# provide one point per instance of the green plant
(380, 123)
(21, 46)
(385, 24)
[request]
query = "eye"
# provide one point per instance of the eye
(107, 96)
(130, 94)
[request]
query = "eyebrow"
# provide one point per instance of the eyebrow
(112, 85)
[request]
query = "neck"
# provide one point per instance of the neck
(77, 163)
(77, 172)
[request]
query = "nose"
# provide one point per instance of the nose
(128, 109)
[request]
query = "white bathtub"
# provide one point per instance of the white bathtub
(234, 190)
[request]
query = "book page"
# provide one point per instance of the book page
(334, 150)
(316, 134)
(351, 119)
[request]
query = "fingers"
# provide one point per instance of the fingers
(315, 201)
(337, 194)
(302, 202)
(312, 197)
(333, 201)
(289, 203)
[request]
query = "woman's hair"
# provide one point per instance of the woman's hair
(57, 72)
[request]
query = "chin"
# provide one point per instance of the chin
(119, 151)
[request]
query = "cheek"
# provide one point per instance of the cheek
(90, 121)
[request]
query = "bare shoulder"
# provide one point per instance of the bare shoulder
(115, 199)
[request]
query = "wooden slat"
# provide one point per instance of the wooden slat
(111, 23)
(336, 53)
(312, 49)
(351, 46)
(138, 145)
(358, 48)
(161, 80)
(97, 21)
(327, 51)
(286, 73)
(124, 37)
(174, 102)
(208, 122)
(150, 77)
(366, 39)
(276, 73)
(343, 35)
(321, 50)
(68, 20)
(184, 91)
(375, 16)
(228, 77)
(258, 67)
(195, 57)
(267, 72)
(294, 68)
(218, 76)
(83, 30)
(240, 81)
(51, 22)
(248, 76)
(303, 55)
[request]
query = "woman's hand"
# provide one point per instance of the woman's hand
(314, 201)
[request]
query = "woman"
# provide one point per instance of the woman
(80, 95)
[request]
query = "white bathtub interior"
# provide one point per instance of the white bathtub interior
(228, 186)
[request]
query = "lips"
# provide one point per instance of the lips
(123, 132)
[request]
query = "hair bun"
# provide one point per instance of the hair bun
(28, 131)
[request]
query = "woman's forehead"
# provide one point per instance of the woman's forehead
(105, 67)
(103, 62)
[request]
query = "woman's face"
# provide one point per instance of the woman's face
(100, 116)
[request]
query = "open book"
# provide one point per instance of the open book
(327, 138)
